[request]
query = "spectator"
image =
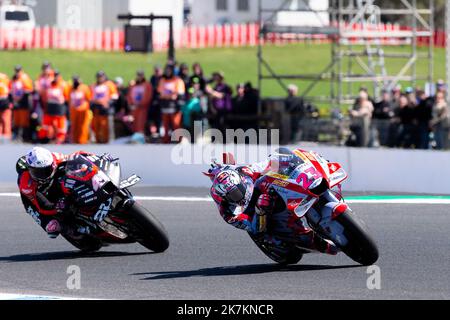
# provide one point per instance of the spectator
(44, 82)
(21, 89)
(154, 114)
(424, 115)
(383, 109)
(103, 94)
(5, 108)
(383, 112)
(411, 95)
(123, 121)
(61, 82)
(121, 106)
(221, 104)
(239, 106)
(184, 75)
(54, 126)
(361, 115)
(171, 93)
(198, 77)
(440, 122)
(294, 106)
(80, 119)
(407, 117)
(192, 110)
(396, 93)
(139, 100)
(441, 86)
(245, 107)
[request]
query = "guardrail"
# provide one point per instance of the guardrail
(370, 170)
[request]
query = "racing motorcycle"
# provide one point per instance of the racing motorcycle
(99, 201)
(307, 182)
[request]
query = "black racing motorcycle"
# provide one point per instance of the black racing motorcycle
(101, 210)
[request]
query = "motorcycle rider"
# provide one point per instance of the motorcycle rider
(41, 181)
(246, 201)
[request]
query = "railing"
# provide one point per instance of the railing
(214, 36)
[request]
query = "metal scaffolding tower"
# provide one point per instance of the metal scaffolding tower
(363, 51)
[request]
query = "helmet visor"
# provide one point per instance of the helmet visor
(41, 174)
(237, 194)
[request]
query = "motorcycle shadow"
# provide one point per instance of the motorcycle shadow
(238, 270)
(69, 255)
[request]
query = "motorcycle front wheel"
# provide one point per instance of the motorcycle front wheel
(360, 247)
(151, 233)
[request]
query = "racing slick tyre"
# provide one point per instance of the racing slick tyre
(361, 247)
(284, 256)
(151, 233)
(85, 244)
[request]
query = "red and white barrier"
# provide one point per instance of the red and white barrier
(213, 36)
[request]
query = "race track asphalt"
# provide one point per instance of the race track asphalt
(208, 259)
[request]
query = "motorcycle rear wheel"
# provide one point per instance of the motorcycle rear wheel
(152, 233)
(361, 247)
(283, 256)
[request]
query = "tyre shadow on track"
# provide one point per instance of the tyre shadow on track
(237, 270)
(68, 255)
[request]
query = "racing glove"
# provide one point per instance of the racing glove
(53, 229)
(265, 203)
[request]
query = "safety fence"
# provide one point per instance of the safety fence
(191, 37)
(370, 170)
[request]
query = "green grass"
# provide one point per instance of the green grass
(239, 64)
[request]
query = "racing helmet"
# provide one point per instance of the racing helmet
(41, 165)
(233, 187)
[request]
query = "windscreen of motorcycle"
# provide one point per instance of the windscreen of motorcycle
(284, 164)
(81, 169)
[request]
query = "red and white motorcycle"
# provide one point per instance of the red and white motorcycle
(307, 183)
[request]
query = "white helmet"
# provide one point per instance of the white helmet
(41, 164)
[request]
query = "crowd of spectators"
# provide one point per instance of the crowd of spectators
(52, 110)
(402, 118)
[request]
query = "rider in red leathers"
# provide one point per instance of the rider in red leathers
(246, 201)
(42, 188)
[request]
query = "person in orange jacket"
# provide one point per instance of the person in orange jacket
(44, 82)
(54, 125)
(104, 93)
(21, 89)
(139, 100)
(62, 83)
(80, 114)
(5, 108)
(171, 91)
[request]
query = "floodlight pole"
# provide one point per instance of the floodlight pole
(151, 18)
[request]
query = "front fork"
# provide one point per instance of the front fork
(322, 218)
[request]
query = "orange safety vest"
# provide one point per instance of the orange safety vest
(43, 83)
(26, 82)
(17, 90)
(168, 87)
(79, 98)
(55, 94)
(140, 94)
(101, 94)
(5, 85)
